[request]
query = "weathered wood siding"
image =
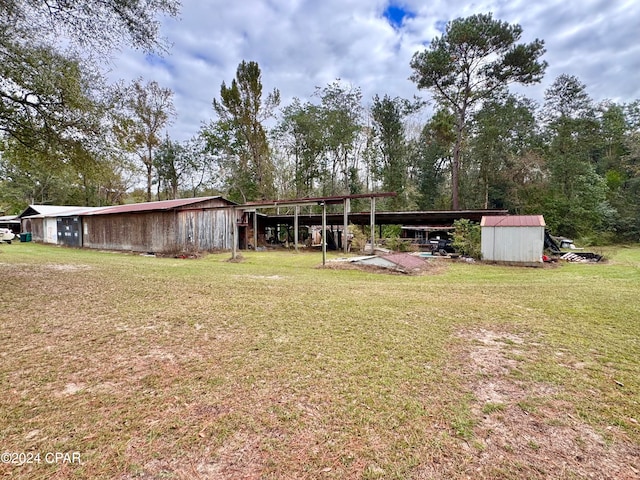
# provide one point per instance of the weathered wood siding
(205, 230)
(205, 226)
(138, 232)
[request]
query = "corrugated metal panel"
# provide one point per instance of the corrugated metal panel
(46, 210)
(406, 261)
(66, 212)
(513, 221)
(512, 244)
(158, 206)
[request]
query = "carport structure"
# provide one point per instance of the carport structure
(346, 216)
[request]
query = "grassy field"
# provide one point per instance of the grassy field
(276, 368)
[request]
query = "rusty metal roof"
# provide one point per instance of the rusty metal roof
(335, 199)
(513, 221)
(161, 205)
(404, 260)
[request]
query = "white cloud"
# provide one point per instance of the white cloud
(303, 44)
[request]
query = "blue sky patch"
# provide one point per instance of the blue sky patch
(441, 25)
(396, 15)
(158, 61)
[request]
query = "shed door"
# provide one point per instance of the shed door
(69, 231)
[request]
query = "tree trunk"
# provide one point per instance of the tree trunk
(455, 166)
(149, 164)
(149, 180)
(455, 172)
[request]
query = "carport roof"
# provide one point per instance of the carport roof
(429, 217)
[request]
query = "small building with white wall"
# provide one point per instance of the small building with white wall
(42, 221)
(513, 239)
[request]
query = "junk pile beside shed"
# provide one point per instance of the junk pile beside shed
(554, 247)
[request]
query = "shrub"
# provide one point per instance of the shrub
(466, 238)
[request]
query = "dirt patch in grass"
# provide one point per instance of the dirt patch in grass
(239, 458)
(525, 429)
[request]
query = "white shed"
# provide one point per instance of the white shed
(513, 239)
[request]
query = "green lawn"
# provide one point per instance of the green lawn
(274, 367)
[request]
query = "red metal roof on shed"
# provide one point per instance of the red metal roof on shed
(513, 221)
(152, 206)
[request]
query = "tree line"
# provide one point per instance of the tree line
(69, 138)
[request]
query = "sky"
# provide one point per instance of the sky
(303, 44)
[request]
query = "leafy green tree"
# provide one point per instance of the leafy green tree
(180, 167)
(79, 179)
(46, 99)
(323, 141)
(431, 160)
(101, 25)
(576, 202)
(617, 162)
(503, 131)
(44, 89)
(341, 119)
(26, 178)
(145, 111)
(628, 196)
(613, 130)
(238, 138)
(170, 164)
(301, 135)
(391, 165)
(475, 57)
(467, 238)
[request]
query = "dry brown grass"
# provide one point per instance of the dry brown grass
(273, 368)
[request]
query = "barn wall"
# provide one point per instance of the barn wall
(200, 227)
(205, 230)
(512, 244)
(138, 232)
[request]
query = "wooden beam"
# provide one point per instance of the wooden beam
(255, 230)
(234, 234)
(373, 223)
(324, 233)
(345, 225)
(295, 226)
